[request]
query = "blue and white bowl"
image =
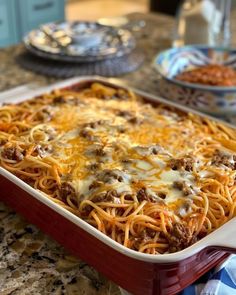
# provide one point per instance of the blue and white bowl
(216, 100)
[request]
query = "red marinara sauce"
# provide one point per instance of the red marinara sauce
(213, 75)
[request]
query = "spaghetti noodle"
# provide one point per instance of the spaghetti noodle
(152, 178)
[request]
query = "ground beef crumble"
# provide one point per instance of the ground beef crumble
(13, 153)
(180, 238)
(65, 190)
(108, 196)
(143, 195)
(184, 187)
(182, 164)
(222, 158)
(109, 176)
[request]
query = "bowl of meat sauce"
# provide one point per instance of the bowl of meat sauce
(200, 77)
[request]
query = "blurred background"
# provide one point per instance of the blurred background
(19, 17)
(94, 9)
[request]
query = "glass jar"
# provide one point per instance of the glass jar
(210, 22)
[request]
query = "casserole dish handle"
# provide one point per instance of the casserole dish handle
(225, 237)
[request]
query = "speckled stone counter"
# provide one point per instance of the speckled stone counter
(154, 37)
(30, 262)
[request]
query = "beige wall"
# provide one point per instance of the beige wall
(94, 9)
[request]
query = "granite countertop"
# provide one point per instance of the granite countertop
(30, 261)
(153, 38)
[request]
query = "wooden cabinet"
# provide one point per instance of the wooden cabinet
(36, 12)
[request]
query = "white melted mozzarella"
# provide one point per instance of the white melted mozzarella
(143, 165)
(159, 179)
(170, 176)
(159, 162)
(71, 134)
(82, 186)
(205, 174)
(123, 188)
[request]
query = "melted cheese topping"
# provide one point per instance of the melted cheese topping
(119, 139)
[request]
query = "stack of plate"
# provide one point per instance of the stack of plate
(81, 43)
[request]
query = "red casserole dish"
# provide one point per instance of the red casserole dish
(135, 272)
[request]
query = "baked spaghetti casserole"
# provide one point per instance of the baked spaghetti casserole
(151, 177)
